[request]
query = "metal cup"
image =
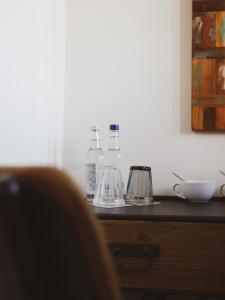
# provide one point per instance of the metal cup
(139, 187)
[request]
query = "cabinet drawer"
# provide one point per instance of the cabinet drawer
(191, 256)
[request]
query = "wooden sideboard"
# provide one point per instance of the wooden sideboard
(174, 246)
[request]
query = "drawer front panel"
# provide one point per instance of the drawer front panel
(192, 255)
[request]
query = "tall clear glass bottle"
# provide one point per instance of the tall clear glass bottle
(93, 161)
(114, 155)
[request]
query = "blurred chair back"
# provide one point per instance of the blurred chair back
(50, 245)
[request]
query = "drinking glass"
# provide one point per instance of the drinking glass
(109, 189)
(139, 187)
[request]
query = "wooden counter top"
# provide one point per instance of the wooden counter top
(169, 209)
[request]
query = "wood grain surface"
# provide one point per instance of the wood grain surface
(192, 255)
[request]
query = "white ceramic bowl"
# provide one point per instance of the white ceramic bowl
(196, 190)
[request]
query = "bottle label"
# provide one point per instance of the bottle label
(90, 178)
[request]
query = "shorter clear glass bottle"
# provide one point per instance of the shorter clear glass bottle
(93, 161)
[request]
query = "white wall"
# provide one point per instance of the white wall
(31, 81)
(129, 61)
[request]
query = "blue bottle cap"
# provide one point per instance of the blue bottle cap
(114, 127)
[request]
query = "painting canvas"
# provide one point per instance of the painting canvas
(208, 65)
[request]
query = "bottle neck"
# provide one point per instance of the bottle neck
(94, 142)
(114, 140)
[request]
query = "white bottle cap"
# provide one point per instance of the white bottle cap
(95, 127)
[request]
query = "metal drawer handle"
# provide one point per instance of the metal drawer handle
(135, 250)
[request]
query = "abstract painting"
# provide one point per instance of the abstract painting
(208, 65)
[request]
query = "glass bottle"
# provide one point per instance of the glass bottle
(114, 156)
(93, 161)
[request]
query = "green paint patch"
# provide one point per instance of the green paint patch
(197, 76)
(222, 30)
(209, 53)
(206, 101)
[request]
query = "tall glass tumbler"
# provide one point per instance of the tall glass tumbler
(139, 187)
(109, 190)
